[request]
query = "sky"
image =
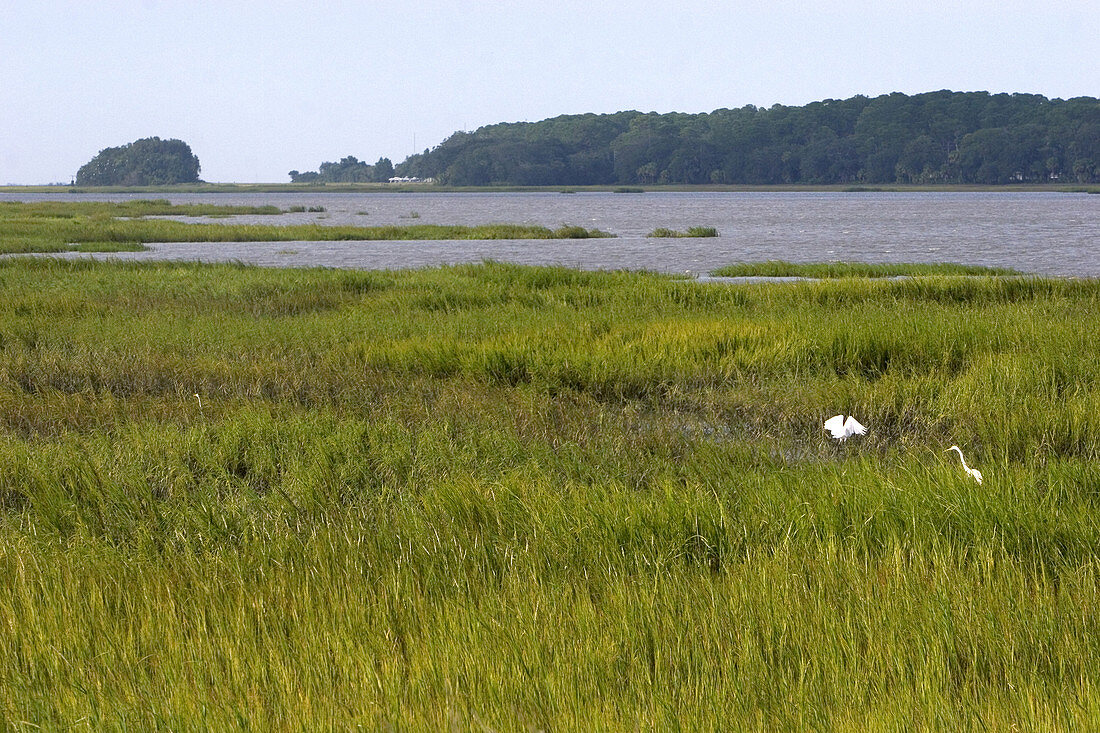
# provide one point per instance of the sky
(261, 88)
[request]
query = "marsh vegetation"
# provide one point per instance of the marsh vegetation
(535, 498)
(94, 226)
(695, 231)
(781, 268)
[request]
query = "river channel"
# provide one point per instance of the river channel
(1044, 233)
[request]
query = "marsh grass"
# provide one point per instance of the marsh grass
(110, 227)
(780, 268)
(696, 231)
(538, 498)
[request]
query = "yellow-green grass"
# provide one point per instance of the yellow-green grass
(534, 498)
(782, 268)
(55, 226)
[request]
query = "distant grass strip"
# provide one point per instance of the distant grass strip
(129, 209)
(664, 233)
(828, 270)
(106, 226)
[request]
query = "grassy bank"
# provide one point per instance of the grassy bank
(56, 226)
(520, 498)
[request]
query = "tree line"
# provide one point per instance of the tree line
(349, 170)
(938, 137)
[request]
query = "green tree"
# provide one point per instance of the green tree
(146, 162)
(921, 161)
(383, 170)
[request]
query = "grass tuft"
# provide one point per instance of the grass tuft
(697, 231)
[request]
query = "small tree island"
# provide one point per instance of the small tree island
(146, 162)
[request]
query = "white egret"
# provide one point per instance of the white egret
(974, 473)
(843, 429)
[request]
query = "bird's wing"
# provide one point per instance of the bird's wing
(835, 425)
(852, 427)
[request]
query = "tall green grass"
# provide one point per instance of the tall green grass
(780, 268)
(536, 498)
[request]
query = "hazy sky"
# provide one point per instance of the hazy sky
(260, 88)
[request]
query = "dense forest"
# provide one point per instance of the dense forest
(146, 162)
(938, 137)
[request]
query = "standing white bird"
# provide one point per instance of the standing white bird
(843, 429)
(974, 473)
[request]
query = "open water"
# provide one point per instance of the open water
(1045, 233)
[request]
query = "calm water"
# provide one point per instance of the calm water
(1048, 233)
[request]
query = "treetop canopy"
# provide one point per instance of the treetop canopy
(149, 161)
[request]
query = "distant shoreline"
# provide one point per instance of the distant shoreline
(321, 188)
